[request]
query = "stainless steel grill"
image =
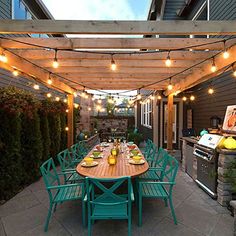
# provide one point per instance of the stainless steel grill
(207, 163)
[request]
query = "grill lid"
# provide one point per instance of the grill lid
(210, 140)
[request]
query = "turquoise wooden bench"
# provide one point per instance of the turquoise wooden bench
(108, 204)
(159, 189)
(60, 193)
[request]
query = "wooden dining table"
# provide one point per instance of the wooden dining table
(120, 169)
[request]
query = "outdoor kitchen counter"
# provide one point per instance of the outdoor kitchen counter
(189, 162)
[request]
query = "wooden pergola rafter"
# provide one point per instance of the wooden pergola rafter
(137, 67)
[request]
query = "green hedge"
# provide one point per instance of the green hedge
(30, 132)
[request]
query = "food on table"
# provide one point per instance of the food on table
(135, 152)
(88, 160)
(96, 153)
(137, 159)
(230, 143)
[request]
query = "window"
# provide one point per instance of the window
(146, 113)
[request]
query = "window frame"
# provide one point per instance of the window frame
(146, 113)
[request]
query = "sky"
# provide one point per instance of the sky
(98, 10)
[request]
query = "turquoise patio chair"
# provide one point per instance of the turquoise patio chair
(159, 189)
(156, 166)
(109, 204)
(59, 193)
(68, 167)
(78, 151)
(147, 147)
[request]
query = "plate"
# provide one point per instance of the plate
(139, 154)
(93, 164)
(134, 163)
(104, 144)
(97, 157)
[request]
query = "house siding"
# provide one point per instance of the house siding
(171, 8)
(5, 9)
(205, 106)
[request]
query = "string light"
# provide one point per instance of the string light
(159, 97)
(192, 98)
(65, 100)
(76, 105)
(152, 97)
(15, 72)
(55, 63)
(57, 99)
(89, 109)
(100, 100)
(49, 95)
(113, 64)
(67, 129)
(3, 58)
(225, 53)
(36, 86)
(49, 80)
(75, 94)
(168, 60)
(184, 98)
(170, 86)
(213, 66)
(210, 90)
(67, 110)
(139, 96)
(98, 107)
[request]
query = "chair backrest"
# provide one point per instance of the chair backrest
(65, 159)
(77, 155)
(49, 173)
(171, 168)
(109, 191)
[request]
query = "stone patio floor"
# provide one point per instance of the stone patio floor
(196, 212)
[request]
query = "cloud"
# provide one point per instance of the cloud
(93, 10)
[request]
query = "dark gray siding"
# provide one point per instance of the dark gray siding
(206, 106)
(171, 8)
(5, 9)
(222, 10)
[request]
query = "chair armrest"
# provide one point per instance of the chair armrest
(155, 168)
(65, 186)
(132, 193)
(88, 191)
(159, 183)
(66, 172)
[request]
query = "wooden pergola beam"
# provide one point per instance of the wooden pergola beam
(34, 71)
(115, 43)
(204, 73)
(181, 27)
(40, 54)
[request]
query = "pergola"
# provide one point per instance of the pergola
(140, 64)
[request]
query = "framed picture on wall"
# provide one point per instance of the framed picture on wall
(229, 125)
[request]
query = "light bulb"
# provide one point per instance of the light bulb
(170, 87)
(49, 81)
(89, 109)
(234, 73)
(3, 58)
(192, 98)
(99, 101)
(76, 105)
(65, 100)
(57, 99)
(15, 72)
(184, 99)
(225, 54)
(213, 68)
(67, 128)
(159, 97)
(152, 97)
(139, 96)
(67, 110)
(168, 61)
(49, 95)
(55, 63)
(210, 90)
(113, 64)
(75, 94)
(83, 94)
(98, 107)
(93, 98)
(36, 86)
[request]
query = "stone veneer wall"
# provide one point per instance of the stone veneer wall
(224, 189)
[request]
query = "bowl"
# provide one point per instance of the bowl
(137, 159)
(88, 160)
(131, 147)
(134, 152)
(96, 153)
(130, 143)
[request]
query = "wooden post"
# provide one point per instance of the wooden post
(170, 123)
(70, 120)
